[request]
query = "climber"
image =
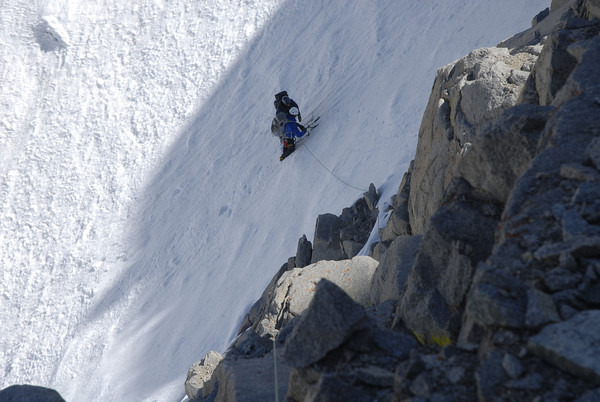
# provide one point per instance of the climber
(286, 124)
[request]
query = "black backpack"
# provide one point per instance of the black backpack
(278, 98)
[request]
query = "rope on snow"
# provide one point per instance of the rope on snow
(333, 174)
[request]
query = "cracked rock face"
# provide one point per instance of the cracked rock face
(465, 93)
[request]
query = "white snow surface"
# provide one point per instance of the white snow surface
(143, 208)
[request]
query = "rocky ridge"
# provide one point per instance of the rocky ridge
(486, 282)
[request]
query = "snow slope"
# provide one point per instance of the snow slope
(143, 208)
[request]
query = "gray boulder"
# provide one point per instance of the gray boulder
(572, 345)
(465, 94)
(199, 383)
(501, 150)
(295, 289)
(496, 299)
(343, 237)
(541, 309)
(330, 319)
(393, 270)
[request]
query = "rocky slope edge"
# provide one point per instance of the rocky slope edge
(486, 282)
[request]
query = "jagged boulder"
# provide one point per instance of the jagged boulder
(332, 317)
(332, 330)
(465, 94)
(343, 237)
(295, 289)
(199, 383)
(502, 149)
(303, 252)
(392, 272)
(327, 244)
(572, 345)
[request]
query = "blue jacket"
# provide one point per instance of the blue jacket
(291, 128)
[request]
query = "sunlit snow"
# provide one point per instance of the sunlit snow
(143, 207)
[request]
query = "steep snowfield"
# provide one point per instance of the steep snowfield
(143, 208)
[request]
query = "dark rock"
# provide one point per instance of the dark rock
(505, 338)
(540, 309)
(351, 248)
(383, 313)
(456, 374)
(502, 150)
(393, 343)
(575, 171)
(540, 17)
(371, 197)
(343, 237)
(587, 201)
(392, 272)
(590, 396)
(497, 299)
(572, 345)
(458, 236)
(512, 366)
(411, 367)
(330, 319)
(593, 152)
(422, 385)
(592, 295)
(327, 244)
(375, 376)
(29, 393)
(489, 378)
(574, 225)
(555, 64)
(578, 246)
(531, 382)
(332, 387)
(303, 252)
(379, 249)
(560, 279)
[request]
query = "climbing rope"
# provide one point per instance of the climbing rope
(333, 174)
